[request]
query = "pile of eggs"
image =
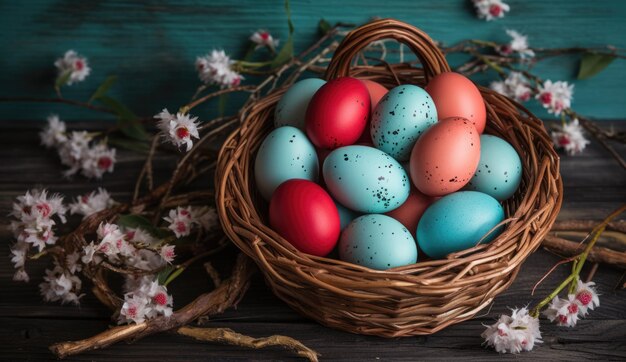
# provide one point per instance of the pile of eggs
(379, 174)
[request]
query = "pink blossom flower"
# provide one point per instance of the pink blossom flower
(33, 213)
(21, 276)
(555, 96)
(205, 217)
(490, 9)
(161, 301)
(180, 221)
(518, 44)
(570, 137)
(513, 334)
(167, 253)
(144, 300)
(74, 66)
(586, 297)
(135, 309)
(564, 312)
(514, 86)
(216, 68)
(60, 285)
(91, 203)
(178, 129)
(262, 38)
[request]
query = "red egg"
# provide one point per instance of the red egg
(445, 157)
(457, 96)
(338, 112)
(376, 92)
(411, 211)
(306, 216)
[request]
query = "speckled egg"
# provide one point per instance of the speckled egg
(457, 222)
(445, 157)
(286, 153)
(365, 179)
(499, 171)
(377, 242)
(291, 109)
(345, 215)
(399, 119)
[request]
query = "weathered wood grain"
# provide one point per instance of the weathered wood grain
(593, 187)
(152, 44)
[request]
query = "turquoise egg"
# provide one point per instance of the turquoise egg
(458, 221)
(399, 119)
(291, 109)
(499, 171)
(286, 153)
(345, 215)
(377, 242)
(365, 179)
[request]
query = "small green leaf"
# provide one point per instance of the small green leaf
(127, 120)
(286, 52)
(62, 79)
(103, 88)
(130, 144)
(164, 274)
(324, 26)
(592, 64)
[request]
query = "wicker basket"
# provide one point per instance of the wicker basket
(412, 300)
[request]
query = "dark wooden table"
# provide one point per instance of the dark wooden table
(594, 185)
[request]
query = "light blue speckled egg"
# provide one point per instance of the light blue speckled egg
(286, 153)
(400, 117)
(291, 109)
(499, 172)
(365, 179)
(345, 215)
(458, 221)
(377, 242)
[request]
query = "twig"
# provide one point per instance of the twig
(228, 336)
(596, 255)
(213, 274)
(214, 302)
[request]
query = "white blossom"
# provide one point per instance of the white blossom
(53, 134)
(161, 301)
(513, 334)
(91, 203)
(570, 137)
(518, 44)
(167, 253)
(555, 96)
(21, 276)
(180, 221)
(74, 65)
(140, 236)
(71, 262)
(216, 68)
(490, 9)
(33, 213)
(146, 259)
(564, 312)
(18, 254)
(89, 251)
(586, 297)
(179, 128)
(135, 308)
(205, 217)
(60, 285)
(97, 160)
(514, 86)
(263, 38)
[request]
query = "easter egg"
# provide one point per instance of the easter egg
(399, 119)
(499, 171)
(457, 222)
(411, 211)
(377, 242)
(285, 154)
(457, 96)
(445, 157)
(345, 215)
(337, 113)
(376, 92)
(291, 109)
(306, 216)
(365, 179)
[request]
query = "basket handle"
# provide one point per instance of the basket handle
(433, 61)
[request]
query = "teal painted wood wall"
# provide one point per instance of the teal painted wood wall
(152, 45)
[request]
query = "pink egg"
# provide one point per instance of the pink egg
(457, 96)
(445, 157)
(410, 212)
(376, 92)
(337, 113)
